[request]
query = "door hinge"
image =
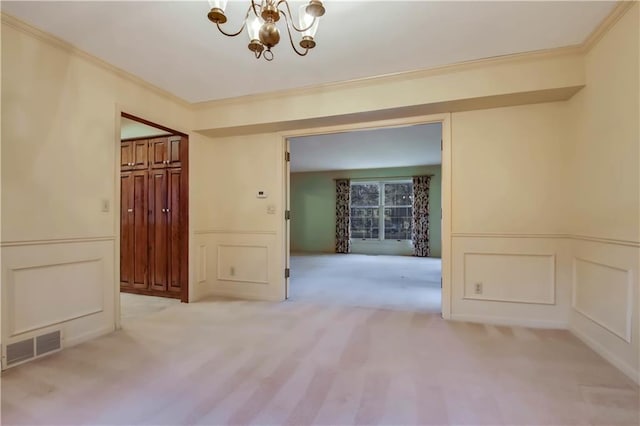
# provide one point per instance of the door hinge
(287, 273)
(287, 156)
(440, 282)
(440, 144)
(287, 214)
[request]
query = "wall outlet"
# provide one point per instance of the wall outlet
(478, 288)
(232, 271)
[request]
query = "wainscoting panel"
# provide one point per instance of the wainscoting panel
(599, 293)
(606, 288)
(505, 277)
(508, 279)
(34, 294)
(67, 285)
(243, 263)
(240, 264)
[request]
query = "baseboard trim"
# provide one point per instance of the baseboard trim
(531, 323)
(598, 348)
(69, 342)
(232, 296)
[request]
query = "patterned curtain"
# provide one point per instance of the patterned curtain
(343, 193)
(420, 225)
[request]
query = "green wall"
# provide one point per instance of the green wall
(313, 205)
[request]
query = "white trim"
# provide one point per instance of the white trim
(601, 350)
(509, 321)
(231, 231)
(19, 243)
(626, 243)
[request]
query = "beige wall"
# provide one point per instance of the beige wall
(60, 127)
(605, 197)
(508, 196)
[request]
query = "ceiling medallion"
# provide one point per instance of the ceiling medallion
(260, 22)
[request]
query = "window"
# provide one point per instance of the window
(381, 210)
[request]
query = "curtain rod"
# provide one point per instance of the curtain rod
(382, 178)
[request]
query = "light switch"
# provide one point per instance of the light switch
(105, 205)
(271, 209)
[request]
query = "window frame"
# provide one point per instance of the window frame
(381, 206)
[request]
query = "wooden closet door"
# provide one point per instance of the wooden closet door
(133, 229)
(158, 250)
(158, 154)
(140, 230)
(126, 155)
(126, 229)
(141, 154)
(174, 227)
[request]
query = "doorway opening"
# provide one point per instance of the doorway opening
(392, 254)
(153, 217)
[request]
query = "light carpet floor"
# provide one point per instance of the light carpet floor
(137, 305)
(391, 282)
(237, 363)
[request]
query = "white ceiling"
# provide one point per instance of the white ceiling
(368, 149)
(133, 129)
(172, 45)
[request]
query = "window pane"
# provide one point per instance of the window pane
(397, 223)
(365, 195)
(398, 194)
(365, 222)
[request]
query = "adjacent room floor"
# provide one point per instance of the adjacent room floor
(238, 363)
(391, 282)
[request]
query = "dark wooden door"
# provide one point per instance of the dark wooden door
(141, 154)
(126, 155)
(174, 151)
(174, 188)
(126, 229)
(158, 153)
(158, 238)
(133, 230)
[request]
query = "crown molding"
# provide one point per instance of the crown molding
(52, 40)
(515, 58)
(607, 23)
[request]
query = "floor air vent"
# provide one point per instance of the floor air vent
(20, 351)
(33, 347)
(48, 342)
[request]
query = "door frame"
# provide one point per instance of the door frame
(185, 242)
(445, 120)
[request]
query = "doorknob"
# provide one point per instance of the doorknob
(129, 210)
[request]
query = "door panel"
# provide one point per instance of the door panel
(126, 155)
(139, 224)
(173, 156)
(158, 230)
(174, 227)
(126, 229)
(141, 154)
(158, 153)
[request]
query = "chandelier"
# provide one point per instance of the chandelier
(260, 22)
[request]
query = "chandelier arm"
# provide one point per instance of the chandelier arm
(244, 24)
(293, 46)
(300, 30)
(231, 34)
(253, 6)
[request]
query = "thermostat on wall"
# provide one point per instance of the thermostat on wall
(261, 194)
